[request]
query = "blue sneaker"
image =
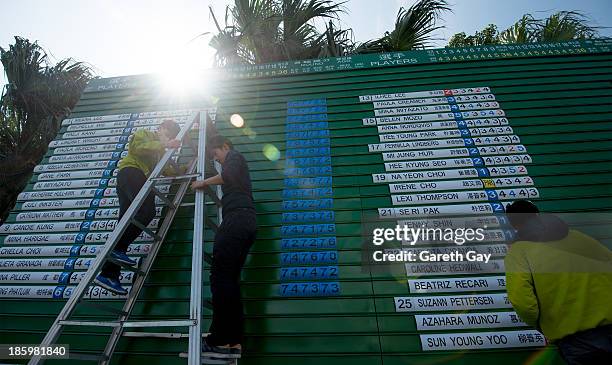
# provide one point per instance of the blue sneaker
(122, 257)
(111, 285)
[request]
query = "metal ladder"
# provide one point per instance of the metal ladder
(194, 322)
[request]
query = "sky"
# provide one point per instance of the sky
(126, 37)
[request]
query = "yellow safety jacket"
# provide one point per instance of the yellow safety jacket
(560, 286)
(144, 153)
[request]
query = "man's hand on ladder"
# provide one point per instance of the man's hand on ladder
(173, 143)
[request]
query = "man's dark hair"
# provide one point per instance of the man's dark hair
(172, 127)
(520, 212)
(218, 141)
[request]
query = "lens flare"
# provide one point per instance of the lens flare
(237, 120)
(271, 152)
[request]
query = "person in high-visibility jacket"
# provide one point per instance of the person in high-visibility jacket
(144, 152)
(559, 280)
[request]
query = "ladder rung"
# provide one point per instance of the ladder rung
(193, 204)
(163, 197)
(221, 359)
(131, 324)
(90, 323)
(160, 323)
(159, 334)
(171, 178)
(87, 357)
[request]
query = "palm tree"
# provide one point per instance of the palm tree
(520, 32)
(558, 27)
(35, 100)
(260, 31)
(564, 26)
(414, 28)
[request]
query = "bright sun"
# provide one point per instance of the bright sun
(183, 71)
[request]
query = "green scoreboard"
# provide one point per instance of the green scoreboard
(441, 137)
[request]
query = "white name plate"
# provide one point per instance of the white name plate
(55, 292)
(455, 152)
(65, 251)
(88, 156)
(78, 193)
(52, 238)
(440, 210)
(118, 147)
(483, 172)
(54, 277)
(99, 225)
(454, 222)
(470, 123)
(150, 124)
(157, 121)
(80, 214)
(472, 283)
(99, 118)
(443, 143)
(48, 264)
(489, 235)
(416, 118)
(482, 340)
(430, 109)
(66, 194)
(71, 175)
(425, 94)
(95, 133)
(65, 215)
(99, 125)
(90, 165)
(452, 302)
(457, 162)
(447, 133)
(86, 141)
(75, 184)
(433, 101)
(463, 321)
(172, 113)
(70, 204)
(456, 268)
(466, 196)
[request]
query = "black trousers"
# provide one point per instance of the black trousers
(233, 239)
(129, 182)
(588, 347)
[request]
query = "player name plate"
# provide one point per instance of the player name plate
(482, 340)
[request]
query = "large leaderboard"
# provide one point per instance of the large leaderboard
(456, 149)
(436, 138)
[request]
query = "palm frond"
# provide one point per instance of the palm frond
(565, 26)
(523, 31)
(414, 28)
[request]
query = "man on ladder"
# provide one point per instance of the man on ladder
(233, 239)
(145, 150)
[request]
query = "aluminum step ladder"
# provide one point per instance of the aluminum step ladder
(194, 322)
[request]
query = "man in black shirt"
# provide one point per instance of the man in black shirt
(233, 239)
